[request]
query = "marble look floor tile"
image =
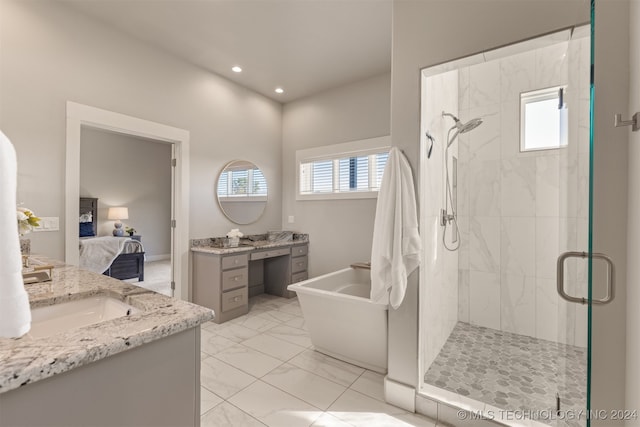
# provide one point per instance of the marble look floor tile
(274, 407)
(304, 385)
(328, 420)
(292, 309)
(297, 322)
(276, 316)
(226, 414)
(416, 420)
(370, 383)
(248, 360)
(256, 323)
(360, 410)
(327, 367)
(237, 333)
(212, 327)
(223, 379)
(208, 400)
(212, 343)
(273, 346)
(292, 335)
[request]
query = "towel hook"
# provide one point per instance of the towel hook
(618, 122)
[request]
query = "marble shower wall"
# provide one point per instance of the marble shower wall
(518, 211)
(439, 304)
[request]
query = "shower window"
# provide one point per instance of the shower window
(349, 170)
(543, 119)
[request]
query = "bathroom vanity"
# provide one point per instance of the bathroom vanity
(142, 367)
(225, 278)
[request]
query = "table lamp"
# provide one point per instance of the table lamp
(118, 213)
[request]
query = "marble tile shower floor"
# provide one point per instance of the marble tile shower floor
(260, 369)
(510, 371)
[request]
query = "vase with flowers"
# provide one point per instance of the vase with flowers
(27, 220)
(234, 237)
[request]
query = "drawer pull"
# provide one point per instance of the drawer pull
(236, 299)
(236, 278)
(235, 261)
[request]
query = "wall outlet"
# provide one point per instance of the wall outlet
(292, 219)
(48, 223)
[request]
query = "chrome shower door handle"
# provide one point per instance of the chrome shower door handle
(610, 277)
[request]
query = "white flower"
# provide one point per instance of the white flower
(26, 220)
(235, 233)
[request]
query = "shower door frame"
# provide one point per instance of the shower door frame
(424, 271)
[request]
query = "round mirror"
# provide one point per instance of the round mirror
(242, 192)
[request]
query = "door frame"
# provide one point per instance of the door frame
(79, 115)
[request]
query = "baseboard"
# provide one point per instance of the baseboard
(400, 395)
(152, 258)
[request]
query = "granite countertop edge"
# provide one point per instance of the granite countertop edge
(246, 246)
(28, 359)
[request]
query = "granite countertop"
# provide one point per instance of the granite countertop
(28, 359)
(214, 245)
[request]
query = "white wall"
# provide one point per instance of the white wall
(633, 225)
(51, 54)
(423, 36)
(610, 146)
(121, 170)
(340, 231)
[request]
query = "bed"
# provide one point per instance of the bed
(97, 253)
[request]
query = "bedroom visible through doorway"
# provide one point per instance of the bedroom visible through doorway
(122, 170)
(79, 115)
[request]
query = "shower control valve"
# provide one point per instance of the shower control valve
(445, 217)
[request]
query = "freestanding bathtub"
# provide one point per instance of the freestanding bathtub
(342, 321)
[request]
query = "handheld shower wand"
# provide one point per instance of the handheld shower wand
(447, 218)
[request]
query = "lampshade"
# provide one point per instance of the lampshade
(118, 213)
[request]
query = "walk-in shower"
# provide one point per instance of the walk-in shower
(451, 218)
(501, 197)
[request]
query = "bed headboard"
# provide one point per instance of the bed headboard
(88, 216)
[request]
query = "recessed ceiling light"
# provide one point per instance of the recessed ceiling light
(236, 69)
(279, 90)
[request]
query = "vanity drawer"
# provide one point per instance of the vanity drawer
(234, 299)
(298, 264)
(299, 277)
(232, 279)
(234, 261)
(270, 253)
(299, 250)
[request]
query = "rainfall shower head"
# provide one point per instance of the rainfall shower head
(461, 127)
(464, 127)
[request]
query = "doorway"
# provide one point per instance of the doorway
(122, 170)
(79, 116)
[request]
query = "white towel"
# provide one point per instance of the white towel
(396, 240)
(15, 314)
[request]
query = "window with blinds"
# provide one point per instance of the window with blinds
(349, 170)
(354, 173)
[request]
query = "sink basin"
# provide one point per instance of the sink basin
(50, 320)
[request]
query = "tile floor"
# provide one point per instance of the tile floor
(157, 277)
(511, 371)
(260, 369)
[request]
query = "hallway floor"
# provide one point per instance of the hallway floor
(260, 369)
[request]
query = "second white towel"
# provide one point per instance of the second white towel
(15, 314)
(396, 241)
